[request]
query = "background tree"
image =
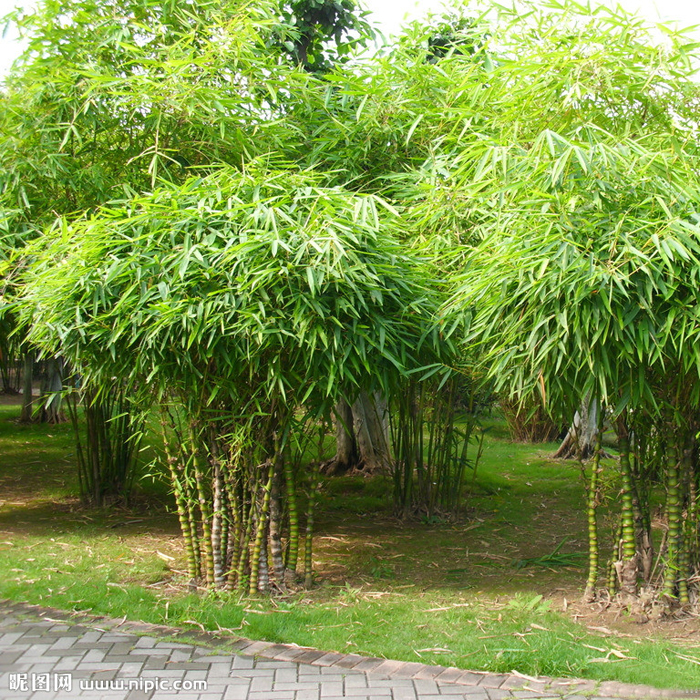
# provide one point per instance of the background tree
(318, 35)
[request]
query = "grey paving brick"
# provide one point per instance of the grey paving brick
(358, 680)
(243, 662)
(312, 671)
(138, 695)
(159, 653)
(250, 672)
(426, 686)
(307, 694)
(296, 686)
(286, 675)
(196, 675)
(218, 670)
(493, 680)
(333, 671)
(131, 669)
(403, 694)
(261, 683)
(236, 692)
(94, 655)
(335, 678)
(187, 665)
(65, 664)
(497, 693)
(267, 663)
(389, 682)
(121, 648)
(331, 689)
(367, 692)
(63, 643)
(163, 673)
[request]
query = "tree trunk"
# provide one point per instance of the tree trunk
(579, 442)
(370, 424)
(51, 386)
(346, 452)
(362, 436)
(27, 382)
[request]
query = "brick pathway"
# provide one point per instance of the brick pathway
(45, 654)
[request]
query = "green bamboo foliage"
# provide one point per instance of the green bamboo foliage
(561, 188)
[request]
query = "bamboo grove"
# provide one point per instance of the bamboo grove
(256, 299)
(244, 244)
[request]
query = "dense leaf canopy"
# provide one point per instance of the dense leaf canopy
(238, 285)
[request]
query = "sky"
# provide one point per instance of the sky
(390, 14)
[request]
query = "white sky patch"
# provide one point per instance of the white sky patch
(10, 47)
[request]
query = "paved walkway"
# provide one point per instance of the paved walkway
(45, 654)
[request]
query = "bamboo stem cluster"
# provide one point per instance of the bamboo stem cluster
(650, 463)
(431, 448)
(107, 445)
(238, 512)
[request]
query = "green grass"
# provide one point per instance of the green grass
(441, 592)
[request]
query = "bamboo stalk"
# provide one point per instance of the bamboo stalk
(613, 578)
(205, 513)
(628, 562)
(308, 546)
(260, 533)
(276, 553)
(673, 515)
(190, 504)
(233, 548)
(589, 595)
(217, 527)
(244, 560)
(293, 545)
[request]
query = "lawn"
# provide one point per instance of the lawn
(476, 592)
